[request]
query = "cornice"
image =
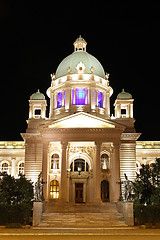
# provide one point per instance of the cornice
(80, 130)
(130, 136)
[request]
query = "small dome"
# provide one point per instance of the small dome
(124, 95)
(37, 96)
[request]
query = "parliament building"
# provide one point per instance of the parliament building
(81, 150)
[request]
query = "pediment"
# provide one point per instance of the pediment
(82, 120)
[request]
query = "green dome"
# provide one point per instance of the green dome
(37, 96)
(74, 59)
(124, 95)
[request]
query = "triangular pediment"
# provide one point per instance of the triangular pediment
(81, 120)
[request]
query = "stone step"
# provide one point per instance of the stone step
(81, 215)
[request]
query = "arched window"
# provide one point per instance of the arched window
(79, 165)
(21, 168)
(5, 167)
(54, 189)
(55, 161)
(104, 161)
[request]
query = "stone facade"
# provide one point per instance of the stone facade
(81, 150)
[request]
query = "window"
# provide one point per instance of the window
(104, 161)
(37, 112)
(55, 161)
(80, 94)
(59, 99)
(123, 111)
(54, 189)
(79, 165)
(99, 99)
(21, 169)
(5, 167)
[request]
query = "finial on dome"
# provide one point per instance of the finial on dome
(80, 44)
(107, 75)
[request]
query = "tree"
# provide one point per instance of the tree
(147, 184)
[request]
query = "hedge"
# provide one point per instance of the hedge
(19, 213)
(147, 214)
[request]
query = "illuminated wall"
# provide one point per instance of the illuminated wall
(128, 161)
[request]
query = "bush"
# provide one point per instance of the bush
(19, 213)
(15, 200)
(147, 214)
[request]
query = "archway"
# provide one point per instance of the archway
(105, 191)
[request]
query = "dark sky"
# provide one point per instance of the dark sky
(37, 37)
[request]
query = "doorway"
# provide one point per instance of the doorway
(105, 191)
(79, 192)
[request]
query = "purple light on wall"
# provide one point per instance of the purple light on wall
(59, 99)
(80, 96)
(100, 99)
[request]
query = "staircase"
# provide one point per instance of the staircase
(88, 215)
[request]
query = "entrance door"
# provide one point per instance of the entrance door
(79, 192)
(105, 191)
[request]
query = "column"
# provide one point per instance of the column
(13, 172)
(92, 99)
(45, 171)
(131, 110)
(55, 100)
(97, 173)
(115, 172)
(68, 97)
(63, 196)
(107, 105)
(51, 105)
(84, 192)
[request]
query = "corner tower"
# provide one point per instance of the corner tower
(79, 85)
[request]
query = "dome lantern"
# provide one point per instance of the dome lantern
(80, 44)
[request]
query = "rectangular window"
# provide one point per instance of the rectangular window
(80, 96)
(37, 112)
(100, 99)
(123, 111)
(59, 99)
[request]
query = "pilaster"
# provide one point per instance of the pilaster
(97, 173)
(115, 172)
(45, 170)
(63, 194)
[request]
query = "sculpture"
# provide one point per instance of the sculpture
(38, 195)
(128, 189)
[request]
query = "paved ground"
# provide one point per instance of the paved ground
(83, 234)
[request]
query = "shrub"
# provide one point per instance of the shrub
(147, 214)
(15, 200)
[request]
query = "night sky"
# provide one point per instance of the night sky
(35, 38)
